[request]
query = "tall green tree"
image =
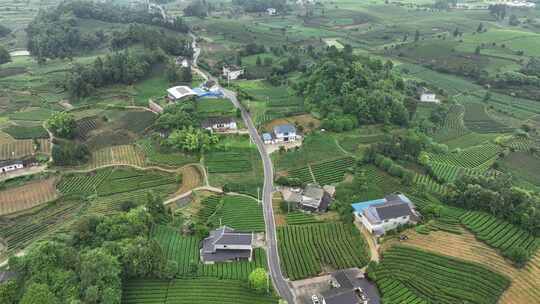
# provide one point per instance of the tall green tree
(62, 124)
(5, 57)
(258, 280)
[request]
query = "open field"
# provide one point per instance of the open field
(27, 196)
(307, 250)
(315, 148)
(155, 157)
(189, 291)
(191, 178)
(466, 247)
(409, 275)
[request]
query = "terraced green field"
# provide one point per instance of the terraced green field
(185, 251)
(229, 162)
(408, 275)
(306, 249)
(190, 291)
(500, 234)
(240, 213)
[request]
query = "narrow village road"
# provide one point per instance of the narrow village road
(280, 283)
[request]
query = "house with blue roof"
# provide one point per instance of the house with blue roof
(382, 215)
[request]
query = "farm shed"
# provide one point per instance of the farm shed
(180, 92)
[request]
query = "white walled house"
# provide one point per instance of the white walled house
(380, 216)
(271, 11)
(232, 72)
(428, 96)
(285, 133)
(219, 124)
(11, 165)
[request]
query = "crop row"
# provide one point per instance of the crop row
(303, 174)
(394, 291)
(228, 162)
(25, 229)
(332, 171)
(498, 233)
(184, 250)
(240, 213)
(306, 249)
(189, 291)
(439, 279)
(474, 157)
(300, 218)
(86, 183)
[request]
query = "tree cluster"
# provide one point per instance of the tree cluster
(55, 34)
(62, 124)
(345, 84)
(396, 170)
(199, 8)
(151, 38)
(498, 11)
(5, 57)
(499, 197)
(68, 153)
(192, 139)
(404, 147)
(89, 264)
(121, 67)
(4, 31)
(260, 6)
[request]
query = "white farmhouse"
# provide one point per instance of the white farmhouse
(428, 96)
(10, 165)
(285, 133)
(219, 124)
(184, 62)
(231, 72)
(180, 92)
(382, 215)
(271, 11)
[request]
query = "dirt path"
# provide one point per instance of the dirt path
(525, 286)
(373, 247)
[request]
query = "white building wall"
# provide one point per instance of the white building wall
(234, 247)
(11, 168)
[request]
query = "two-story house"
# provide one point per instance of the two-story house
(382, 215)
(226, 245)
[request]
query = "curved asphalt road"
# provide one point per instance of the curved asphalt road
(280, 283)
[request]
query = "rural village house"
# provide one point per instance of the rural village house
(382, 215)
(271, 11)
(219, 124)
(182, 61)
(313, 198)
(281, 134)
(428, 96)
(231, 72)
(11, 165)
(346, 289)
(226, 245)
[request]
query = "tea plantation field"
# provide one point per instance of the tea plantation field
(408, 275)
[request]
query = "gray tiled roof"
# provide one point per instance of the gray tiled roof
(288, 128)
(225, 236)
(209, 122)
(225, 255)
(10, 162)
(339, 296)
(390, 211)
